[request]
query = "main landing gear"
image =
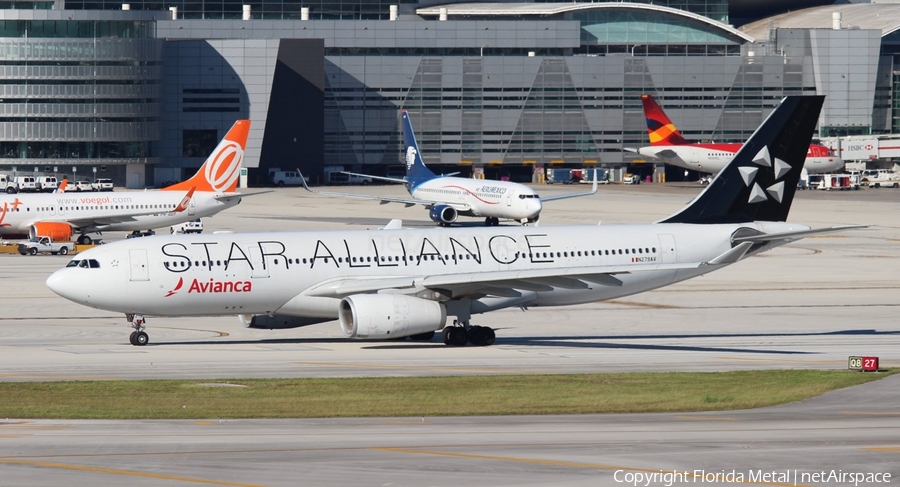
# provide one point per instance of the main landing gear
(138, 337)
(84, 240)
(491, 221)
(461, 333)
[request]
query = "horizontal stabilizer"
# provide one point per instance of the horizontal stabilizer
(733, 255)
(789, 236)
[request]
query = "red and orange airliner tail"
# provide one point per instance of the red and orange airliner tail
(662, 131)
(220, 172)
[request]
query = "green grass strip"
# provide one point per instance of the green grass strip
(419, 396)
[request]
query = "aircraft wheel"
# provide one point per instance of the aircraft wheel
(422, 337)
(489, 336)
(476, 335)
(455, 336)
(84, 240)
(131, 338)
(141, 338)
(487, 221)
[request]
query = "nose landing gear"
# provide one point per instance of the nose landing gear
(138, 337)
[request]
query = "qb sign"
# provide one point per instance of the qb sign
(865, 364)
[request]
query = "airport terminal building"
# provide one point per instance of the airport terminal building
(141, 92)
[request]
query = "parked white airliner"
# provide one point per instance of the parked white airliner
(61, 215)
(447, 197)
(398, 282)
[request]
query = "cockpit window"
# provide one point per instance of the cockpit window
(73, 263)
(88, 263)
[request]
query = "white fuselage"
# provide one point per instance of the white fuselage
(290, 273)
(18, 212)
(712, 160)
(486, 198)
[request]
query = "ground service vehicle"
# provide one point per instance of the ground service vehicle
(39, 245)
(7, 185)
(103, 184)
(193, 226)
(287, 178)
(47, 184)
(27, 184)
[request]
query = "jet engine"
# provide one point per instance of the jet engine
(278, 322)
(389, 315)
(58, 232)
(443, 214)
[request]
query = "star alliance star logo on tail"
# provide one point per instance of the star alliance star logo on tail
(748, 174)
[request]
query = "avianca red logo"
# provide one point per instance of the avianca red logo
(212, 287)
(176, 288)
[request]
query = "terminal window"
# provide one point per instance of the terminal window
(198, 143)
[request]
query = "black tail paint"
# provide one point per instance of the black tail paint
(759, 182)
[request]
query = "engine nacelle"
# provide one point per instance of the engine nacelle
(389, 315)
(58, 232)
(443, 214)
(279, 322)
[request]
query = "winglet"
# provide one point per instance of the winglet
(62, 186)
(184, 201)
(220, 172)
(662, 131)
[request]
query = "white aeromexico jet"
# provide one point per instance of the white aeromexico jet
(61, 215)
(447, 197)
(398, 282)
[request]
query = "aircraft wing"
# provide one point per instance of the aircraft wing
(380, 178)
(573, 195)
(231, 196)
(501, 283)
(386, 199)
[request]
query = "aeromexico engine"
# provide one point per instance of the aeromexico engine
(389, 315)
(58, 232)
(443, 214)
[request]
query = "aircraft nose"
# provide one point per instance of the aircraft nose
(63, 283)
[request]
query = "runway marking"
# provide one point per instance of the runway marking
(872, 414)
(557, 463)
(448, 369)
(889, 449)
(59, 377)
(128, 473)
(797, 360)
(704, 418)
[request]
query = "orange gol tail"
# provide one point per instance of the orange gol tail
(219, 174)
(662, 131)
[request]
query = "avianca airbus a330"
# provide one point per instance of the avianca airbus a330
(447, 197)
(398, 282)
(667, 145)
(61, 215)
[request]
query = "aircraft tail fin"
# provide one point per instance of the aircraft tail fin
(662, 131)
(219, 174)
(760, 181)
(416, 172)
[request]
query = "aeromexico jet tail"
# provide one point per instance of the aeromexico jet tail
(219, 174)
(759, 182)
(662, 131)
(416, 172)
